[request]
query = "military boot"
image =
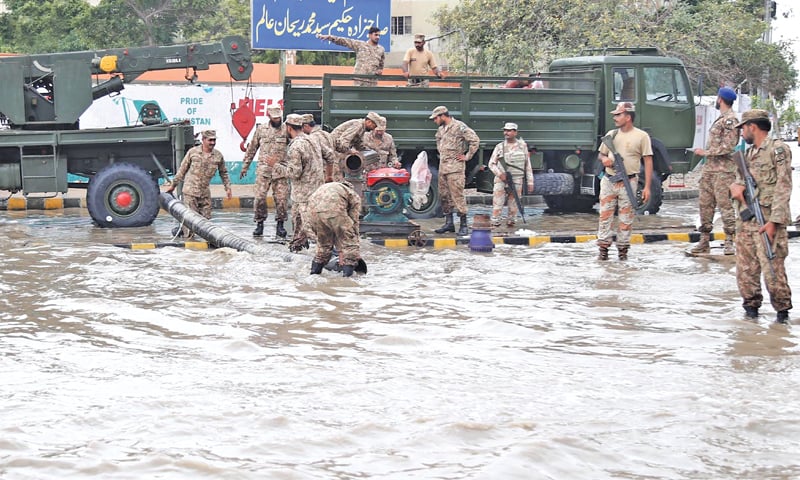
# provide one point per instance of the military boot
(750, 312)
(603, 252)
(279, 230)
(316, 268)
(448, 225)
(702, 246)
(728, 248)
(347, 270)
(463, 231)
(622, 251)
(259, 231)
(783, 316)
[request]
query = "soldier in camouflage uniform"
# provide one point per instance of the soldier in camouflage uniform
(196, 171)
(349, 139)
(719, 173)
(333, 216)
(270, 140)
(457, 143)
(370, 56)
(383, 144)
(769, 161)
(324, 140)
(303, 167)
(512, 155)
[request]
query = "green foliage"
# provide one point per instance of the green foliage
(718, 40)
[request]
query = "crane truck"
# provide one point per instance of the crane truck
(43, 96)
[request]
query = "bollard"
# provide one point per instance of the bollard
(480, 240)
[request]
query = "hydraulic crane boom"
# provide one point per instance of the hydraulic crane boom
(51, 91)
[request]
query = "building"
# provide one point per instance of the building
(416, 16)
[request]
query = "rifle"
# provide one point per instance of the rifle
(510, 186)
(753, 209)
(622, 174)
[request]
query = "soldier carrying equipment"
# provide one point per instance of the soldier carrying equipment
(621, 174)
(753, 208)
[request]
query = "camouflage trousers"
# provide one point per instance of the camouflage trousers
(715, 192)
(751, 261)
(201, 205)
(280, 193)
(334, 229)
(451, 192)
(614, 197)
(300, 231)
(501, 196)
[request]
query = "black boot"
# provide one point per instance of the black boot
(316, 268)
(783, 316)
(750, 312)
(279, 230)
(463, 231)
(259, 231)
(448, 224)
(347, 270)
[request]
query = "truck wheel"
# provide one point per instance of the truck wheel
(656, 195)
(553, 184)
(433, 207)
(122, 195)
(569, 203)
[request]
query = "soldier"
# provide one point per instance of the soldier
(452, 138)
(324, 142)
(383, 144)
(512, 155)
(197, 168)
(270, 140)
(369, 55)
(303, 167)
(349, 138)
(718, 174)
(633, 145)
(769, 161)
(418, 63)
(333, 217)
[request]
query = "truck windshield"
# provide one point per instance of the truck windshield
(624, 84)
(665, 84)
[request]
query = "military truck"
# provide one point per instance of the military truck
(42, 98)
(561, 122)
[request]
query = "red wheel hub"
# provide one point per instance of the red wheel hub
(124, 199)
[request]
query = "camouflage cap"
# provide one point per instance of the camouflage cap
(752, 115)
(294, 119)
(623, 107)
(274, 112)
(308, 118)
(374, 117)
(210, 134)
(420, 37)
(438, 111)
(381, 124)
(510, 126)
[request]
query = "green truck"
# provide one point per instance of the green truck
(562, 122)
(42, 98)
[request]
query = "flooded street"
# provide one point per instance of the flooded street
(525, 363)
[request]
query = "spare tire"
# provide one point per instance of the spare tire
(553, 184)
(656, 195)
(122, 195)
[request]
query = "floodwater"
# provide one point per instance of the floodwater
(525, 363)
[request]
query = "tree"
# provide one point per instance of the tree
(44, 26)
(719, 40)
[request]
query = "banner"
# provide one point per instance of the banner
(207, 107)
(294, 24)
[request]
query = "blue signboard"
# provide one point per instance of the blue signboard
(294, 24)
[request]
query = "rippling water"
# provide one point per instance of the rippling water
(527, 363)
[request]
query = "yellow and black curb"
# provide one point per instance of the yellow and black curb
(440, 243)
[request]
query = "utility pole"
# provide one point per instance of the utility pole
(770, 10)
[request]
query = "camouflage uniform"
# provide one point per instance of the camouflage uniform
(514, 158)
(384, 146)
(369, 57)
(326, 142)
(632, 146)
(452, 140)
(719, 173)
(196, 171)
(770, 164)
(333, 216)
(349, 135)
(303, 167)
(270, 143)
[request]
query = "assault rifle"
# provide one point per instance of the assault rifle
(753, 209)
(510, 186)
(622, 174)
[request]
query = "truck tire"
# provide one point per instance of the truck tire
(433, 207)
(122, 195)
(656, 195)
(553, 184)
(569, 203)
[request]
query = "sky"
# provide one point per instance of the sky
(785, 28)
